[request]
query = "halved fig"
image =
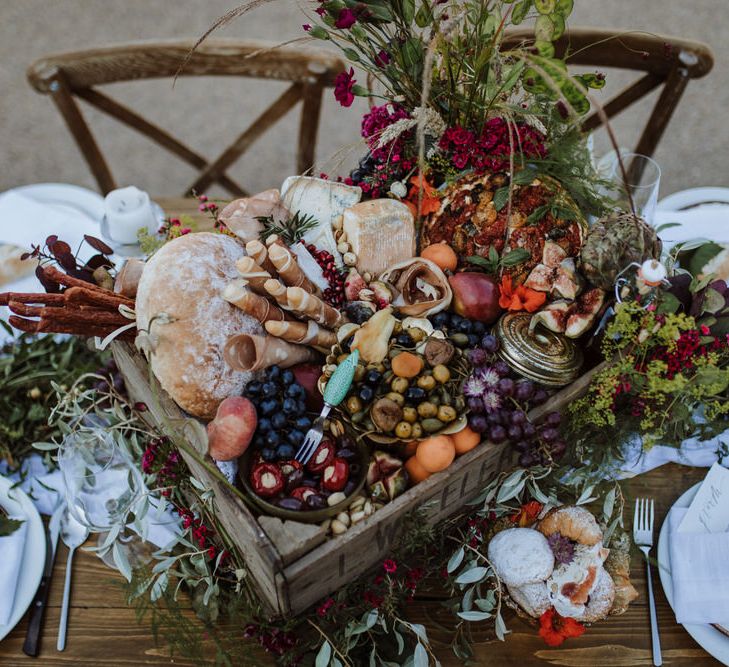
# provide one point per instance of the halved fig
(396, 483)
(553, 317)
(583, 312)
(354, 283)
(567, 282)
(540, 278)
(553, 255)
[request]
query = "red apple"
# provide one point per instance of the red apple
(476, 296)
(230, 433)
(307, 375)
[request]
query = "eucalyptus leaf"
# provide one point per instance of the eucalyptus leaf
(608, 504)
(324, 655)
(474, 615)
(472, 576)
(159, 587)
(455, 560)
(420, 656)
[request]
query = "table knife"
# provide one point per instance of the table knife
(35, 623)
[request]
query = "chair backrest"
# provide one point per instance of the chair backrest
(69, 75)
(666, 61)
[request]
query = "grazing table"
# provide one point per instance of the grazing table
(102, 630)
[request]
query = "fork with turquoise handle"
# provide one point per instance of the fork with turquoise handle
(334, 393)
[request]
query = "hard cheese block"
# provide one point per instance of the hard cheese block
(381, 232)
(323, 200)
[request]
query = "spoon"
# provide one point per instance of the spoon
(73, 534)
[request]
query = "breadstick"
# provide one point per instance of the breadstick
(96, 297)
(312, 307)
(258, 251)
(256, 306)
(254, 274)
(276, 289)
(288, 267)
(24, 297)
(303, 333)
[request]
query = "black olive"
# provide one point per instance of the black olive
(413, 394)
(366, 393)
(316, 501)
(311, 483)
(440, 320)
(373, 377)
(293, 504)
(404, 340)
(473, 340)
(294, 478)
(347, 454)
(464, 326)
(349, 487)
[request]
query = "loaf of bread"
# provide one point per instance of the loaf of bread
(185, 280)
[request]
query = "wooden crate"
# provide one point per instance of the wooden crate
(293, 565)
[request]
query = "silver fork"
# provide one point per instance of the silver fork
(337, 387)
(643, 537)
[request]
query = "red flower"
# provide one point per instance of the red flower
(527, 513)
(520, 298)
(389, 565)
(325, 607)
(306, 27)
(382, 59)
(372, 599)
(321, 11)
(346, 19)
(554, 629)
(343, 85)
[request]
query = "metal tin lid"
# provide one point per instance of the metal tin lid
(543, 356)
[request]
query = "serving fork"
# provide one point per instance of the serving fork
(643, 538)
(337, 387)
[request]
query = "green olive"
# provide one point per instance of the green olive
(446, 413)
(387, 376)
(459, 339)
(400, 385)
(357, 417)
(441, 373)
(427, 409)
(459, 404)
(432, 425)
(410, 414)
(354, 404)
(403, 430)
(446, 398)
(426, 382)
(397, 398)
(417, 431)
(434, 399)
(416, 334)
(397, 328)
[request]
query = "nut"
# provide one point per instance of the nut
(343, 517)
(338, 222)
(338, 527)
(368, 509)
(326, 524)
(350, 259)
(357, 516)
(335, 498)
(358, 502)
(343, 247)
(367, 277)
(336, 429)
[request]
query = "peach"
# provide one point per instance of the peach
(230, 433)
(465, 440)
(416, 472)
(436, 453)
(442, 255)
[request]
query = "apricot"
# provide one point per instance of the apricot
(436, 453)
(465, 440)
(416, 472)
(230, 433)
(442, 255)
(407, 365)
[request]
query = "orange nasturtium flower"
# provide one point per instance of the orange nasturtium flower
(527, 513)
(554, 629)
(430, 202)
(521, 298)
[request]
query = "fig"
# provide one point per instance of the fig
(476, 296)
(396, 483)
(379, 492)
(385, 414)
(540, 278)
(553, 317)
(438, 352)
(583, 312)
(567, 283)
(553, 254)
(382, 294)
(354, 283)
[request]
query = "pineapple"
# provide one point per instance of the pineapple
(614, 242)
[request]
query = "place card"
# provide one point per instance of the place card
(709, 510)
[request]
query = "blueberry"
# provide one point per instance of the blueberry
(259, 441)
(268, 454)
(274, 373)
(287, 377)
(301, 407)
(366, 393)
(478, 328)
(295, 436)
(285, 451)
(278, 421)
(455, 321)
(440, 320)
(464, 326)
(269, 389)
(415, 394)
(303, 423)
(264, 424)
(273, 439)
(253, 388)
(473, 340)
(373, 377)
(295, 391)
(269, 406)
(289, 406)
(404, 339)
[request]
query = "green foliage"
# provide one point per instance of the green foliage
(290, 231)
(7, 525)
(494, 261)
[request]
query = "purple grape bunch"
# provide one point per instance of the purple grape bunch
(498, 403)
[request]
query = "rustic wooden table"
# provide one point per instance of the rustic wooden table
(104, 631)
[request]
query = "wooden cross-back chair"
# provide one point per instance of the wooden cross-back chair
(77, 75)
(666, 61)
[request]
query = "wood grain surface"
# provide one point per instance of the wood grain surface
(104, 631)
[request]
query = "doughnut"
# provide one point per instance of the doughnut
(521, 556)
(575, 523)
(532, 598)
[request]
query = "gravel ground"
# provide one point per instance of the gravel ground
(36, 147)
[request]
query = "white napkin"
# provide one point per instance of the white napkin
(707, 221)
(11, 557)
(700, 573)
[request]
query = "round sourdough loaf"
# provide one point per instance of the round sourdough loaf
(185, 280)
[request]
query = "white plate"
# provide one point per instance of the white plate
(706, 636)
(34, 556)
(687, 199)
(66, 197)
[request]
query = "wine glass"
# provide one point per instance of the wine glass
(643, 181)
(102, 484)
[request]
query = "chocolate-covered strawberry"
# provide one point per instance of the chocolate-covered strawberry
(267, 479)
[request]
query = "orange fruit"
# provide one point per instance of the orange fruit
(436, 453)
(416, 472)
(411, 447)
(465, 440)
(442, 255)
